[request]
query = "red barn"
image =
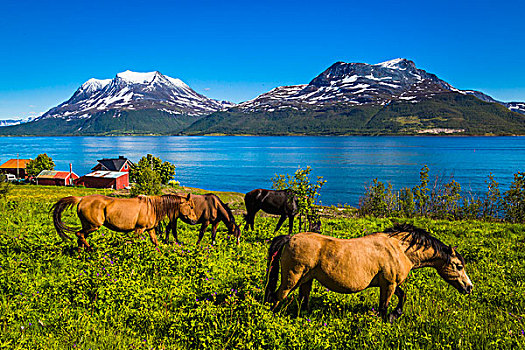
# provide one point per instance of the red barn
(116, 180)
(56, 178)
(16, 167)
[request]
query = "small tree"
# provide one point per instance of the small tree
(514, 203)
(307, 193)
(421, 196)
(491, 206)
(41, 162)
(164, 170)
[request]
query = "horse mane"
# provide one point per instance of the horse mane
(164, 205)
(421, 238)
(225, 206)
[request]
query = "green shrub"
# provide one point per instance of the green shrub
(514, 199)
(147, 182)
(306, 192)
(445, 200)
(164, 170)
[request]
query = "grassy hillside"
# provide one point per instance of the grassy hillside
(448, 110)
(127, 294)
(107, 123)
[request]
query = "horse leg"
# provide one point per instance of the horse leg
(167, 233)
(214, 231)
(247, 218)
(173, 227)
(386, 291)
(289, 281)
(204, 226)
(81, 237)
(290, 225)
(304, 294)
(280, 223)
(153, 236)
(398, 311)
(250, 219)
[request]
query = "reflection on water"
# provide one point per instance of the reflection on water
(244, 163)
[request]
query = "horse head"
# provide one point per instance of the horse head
(237, 233)
(453, 271)
(187, 209)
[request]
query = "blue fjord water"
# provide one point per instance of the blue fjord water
(241, 164)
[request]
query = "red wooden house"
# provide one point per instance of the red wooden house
(16, 167)
(56, 178)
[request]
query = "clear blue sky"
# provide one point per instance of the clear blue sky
(238, 49)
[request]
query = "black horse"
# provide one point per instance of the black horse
(277, 202)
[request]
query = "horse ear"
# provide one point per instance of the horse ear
(188, 197)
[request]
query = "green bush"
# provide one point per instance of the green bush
(5, 186)
(445, 200)
(164, 170)
(147, 182)
(514, 199)
(306, 192)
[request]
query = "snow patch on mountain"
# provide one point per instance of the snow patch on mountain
(362, 84)
(135, 91)
(136, 77)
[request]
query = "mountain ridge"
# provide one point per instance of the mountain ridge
(413, 100)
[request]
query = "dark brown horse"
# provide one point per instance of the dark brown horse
(209, 209)
(137, 214)
(277, 202)
(381, 260)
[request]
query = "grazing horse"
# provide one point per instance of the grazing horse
(137, 214)
(382, 260)
(209, 209)
(277, 202)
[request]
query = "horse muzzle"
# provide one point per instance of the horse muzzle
(467, 289)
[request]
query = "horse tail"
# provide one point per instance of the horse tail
(272, 270)
(57, 208)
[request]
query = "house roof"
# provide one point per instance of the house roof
(113, 164)
(106, 174)
(11, 164)
(52, 174)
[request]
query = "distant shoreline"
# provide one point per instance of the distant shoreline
(278, 135)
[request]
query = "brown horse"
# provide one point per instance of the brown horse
(209, 209)
(381, 260)
(137, 214)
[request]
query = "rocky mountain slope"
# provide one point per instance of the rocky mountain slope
(357, 84)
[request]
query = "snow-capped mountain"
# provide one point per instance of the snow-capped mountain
(9, 122)
(135, 91)
(362, 84)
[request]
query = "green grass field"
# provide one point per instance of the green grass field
(129, 295)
